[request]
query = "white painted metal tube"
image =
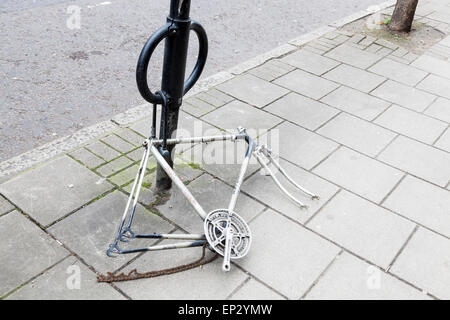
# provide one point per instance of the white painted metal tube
(159, 158)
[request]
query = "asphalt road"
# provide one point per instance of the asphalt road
(56, 79)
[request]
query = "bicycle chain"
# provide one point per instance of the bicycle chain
(134, 275)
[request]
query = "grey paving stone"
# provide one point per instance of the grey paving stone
(422, 202)
(213, 99)
(353, 56)
(131, 136)
(357, 134)
(26, 251)
(405, 96)
(222, 159)
(303, 147)
(433, 65)
(301, 110)
(386, 44)
(197, 107)
(359, 174)
(237, 113)
(306, 84)
(252, 90)
(5, 205)
(136, 154)
(350, 278)
(355, 102)
(264, 189)
(91, 230)
(143, 127)
(355, 78)
(399, 72)
(297, 265)
(57, 284)
(310, 62)
(440, 109)
(436, 85)
(445, 41)
(224, 98)
(211, 194)
(418, 159)
(254, 290)
(411, 124)
(207, 282)
(114, 166)
(54, 189)
(360, 226)
(103, 151)
(271, 70)
(118, 143)
(87, 158)
(146, 196)
(425, 263)
(444, 141)
(125, 176)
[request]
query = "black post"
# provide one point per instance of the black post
(174, 68)
(173, 86)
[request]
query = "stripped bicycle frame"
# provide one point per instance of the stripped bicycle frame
(225, 231)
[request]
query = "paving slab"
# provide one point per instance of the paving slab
(237, 113)
(350, 278)
(222, 159)
(357, 134)
(54, 189)
(360, 174)
(252, 90)
(422, 202)
(306, 84)
(356, 102)
(355, 78)
(289, 260)
(255, 290)
(197, 107)
(404, 96)
(103, 151)
(430, 64)
(91, 230)
(425, 262)
(264, 189)
(131, 136)
(398, 72)
(440, 109)
(303, 147)
(302, 110)
(271, 70)
(353, 56)
(411, 124)
(214, 97)
(5, 206)
(61, 283)
(26, 251)
(444, 141)
(418, 159)
(89, 159)
(114, 166)
(310, 62)
(363, 228)
(118, 143)
(436, 85)
(211, 194)
(207, 282)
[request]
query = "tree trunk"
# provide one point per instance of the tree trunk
(403, 16)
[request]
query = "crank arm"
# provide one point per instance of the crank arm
(226, 266)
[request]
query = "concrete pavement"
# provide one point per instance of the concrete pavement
(360, 121)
